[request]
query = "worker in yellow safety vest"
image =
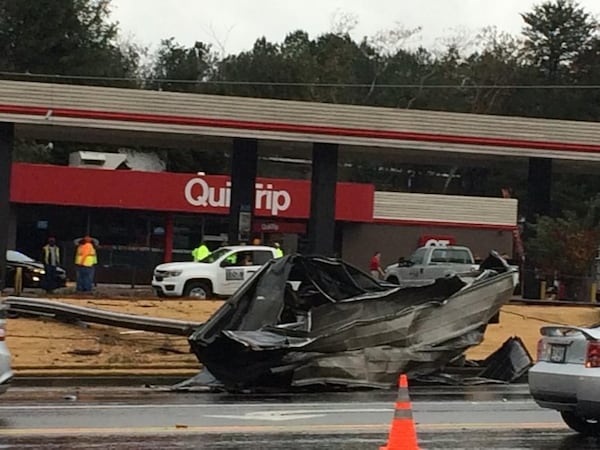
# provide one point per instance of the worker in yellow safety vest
(85, 261)
(200, 252)
(278, 250)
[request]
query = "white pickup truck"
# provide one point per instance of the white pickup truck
(221, 273)
(429, 263)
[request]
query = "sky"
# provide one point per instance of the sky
(232, 26)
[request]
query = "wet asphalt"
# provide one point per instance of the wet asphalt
(477, 417)
(532, 439)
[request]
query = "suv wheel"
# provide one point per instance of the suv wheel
(587, 427)
(198, 289)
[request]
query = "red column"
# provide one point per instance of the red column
(168, 237)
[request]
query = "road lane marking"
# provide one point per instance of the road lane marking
(228, 429)
(349, 406)
(293, 414)
(252, 403)
(384, 407)
(273, 416)
(196, 430)
(489, 426)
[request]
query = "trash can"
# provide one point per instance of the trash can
(531, 285)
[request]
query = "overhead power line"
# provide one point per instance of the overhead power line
(463, 86)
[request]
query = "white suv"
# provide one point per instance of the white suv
(221, 273)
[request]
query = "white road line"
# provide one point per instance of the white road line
(348, 407)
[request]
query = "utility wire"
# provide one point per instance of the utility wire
(159, 81)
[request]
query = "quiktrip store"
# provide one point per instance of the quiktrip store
(141, 219)
(144, 218)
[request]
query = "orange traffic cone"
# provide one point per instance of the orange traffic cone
(403, 435)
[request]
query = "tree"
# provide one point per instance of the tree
(586, 70)
(556, 32)
(43, 39)
(62, 37)
(563, 244)
(175, 62)
(564, 249)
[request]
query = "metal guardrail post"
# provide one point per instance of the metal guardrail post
(133, 273)
(19, 281)
(543, 289)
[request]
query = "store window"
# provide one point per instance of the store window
(191, 229)
(126, 228)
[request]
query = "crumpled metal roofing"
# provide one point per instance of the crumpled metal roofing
(308, 320)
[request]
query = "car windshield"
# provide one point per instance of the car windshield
(216, 255)
(13, 255)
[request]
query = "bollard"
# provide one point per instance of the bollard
(543, 290)
(593, 291)
(18, 281)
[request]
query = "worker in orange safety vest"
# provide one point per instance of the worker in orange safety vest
(85, 262)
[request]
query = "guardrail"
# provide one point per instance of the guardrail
(66, 312)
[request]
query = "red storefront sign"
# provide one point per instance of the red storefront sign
(437, 240)
(163, 191)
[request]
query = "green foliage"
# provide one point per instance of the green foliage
(194, 160)
(32, 152)
(556, 33)
(560, 38)
(175, 62)
(62, 37)
(559, 45)
(567, 245)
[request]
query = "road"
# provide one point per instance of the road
(138, 418)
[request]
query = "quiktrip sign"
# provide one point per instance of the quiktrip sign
(198, 192)
(176, 192)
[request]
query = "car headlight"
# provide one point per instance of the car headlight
(39, 271)
(173, 273)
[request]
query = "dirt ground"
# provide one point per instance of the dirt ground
(525, 321)
(42, 346)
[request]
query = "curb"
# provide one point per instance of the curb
(95, 371)
(533, 302)
(108, 381)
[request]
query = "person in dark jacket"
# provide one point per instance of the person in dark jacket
(51, 259)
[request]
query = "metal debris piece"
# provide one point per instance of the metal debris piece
(310, 320)
(71, 313)
(509, 363)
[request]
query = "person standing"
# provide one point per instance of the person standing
(200, 252)
(51, 259)
(85, 261)
(375, 266)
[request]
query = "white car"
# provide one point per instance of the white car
(221, 273)
(566, 376)
(6, 373)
